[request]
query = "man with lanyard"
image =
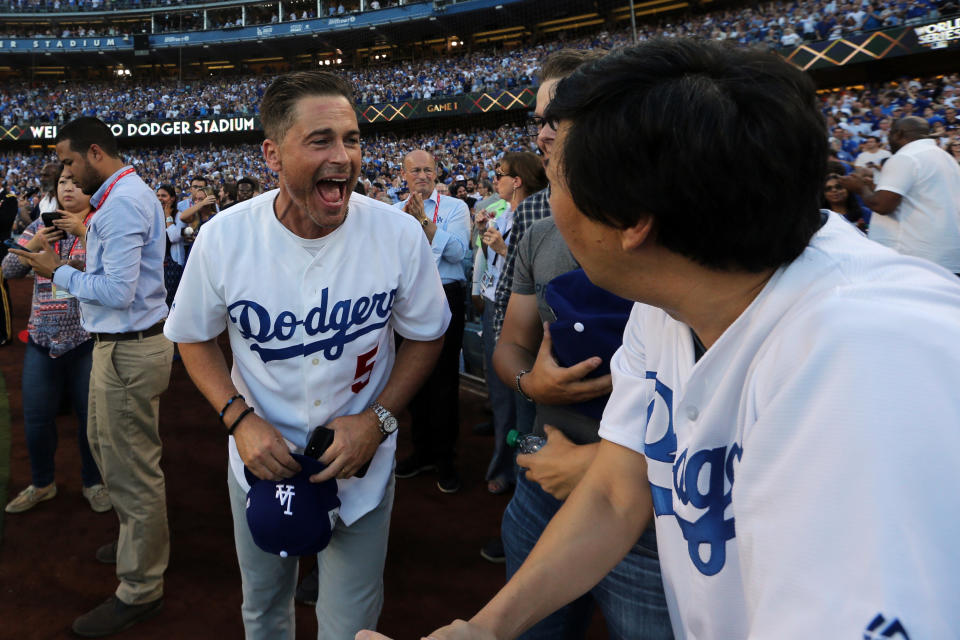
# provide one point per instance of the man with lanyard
(122, 301)
(436, 407)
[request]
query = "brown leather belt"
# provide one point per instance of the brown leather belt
(129, 335)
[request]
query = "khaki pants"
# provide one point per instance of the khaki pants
(122, 426)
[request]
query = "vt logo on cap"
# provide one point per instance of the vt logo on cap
(293, 516)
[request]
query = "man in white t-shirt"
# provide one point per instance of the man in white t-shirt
(311, 281)
(784, 402)
(917, 197)
(872, 156)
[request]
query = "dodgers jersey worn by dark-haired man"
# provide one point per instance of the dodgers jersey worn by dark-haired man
(319, 280)
(784, 403)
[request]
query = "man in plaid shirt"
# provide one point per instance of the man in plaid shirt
(556, 67)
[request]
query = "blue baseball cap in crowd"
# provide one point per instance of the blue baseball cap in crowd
(590, 322)
(293, 516)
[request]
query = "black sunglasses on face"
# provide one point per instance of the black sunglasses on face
(833, 187)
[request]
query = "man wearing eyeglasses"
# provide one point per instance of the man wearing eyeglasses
(436, 407)
(197, 184)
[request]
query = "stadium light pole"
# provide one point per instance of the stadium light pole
(633, 22)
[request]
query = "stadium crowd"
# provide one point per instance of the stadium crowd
(134, 99)
(776, 23)
(852, 116)
(55, 6)
(472, 153)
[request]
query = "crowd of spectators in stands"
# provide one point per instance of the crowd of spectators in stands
(472, 153)
(133, 99)
(295, 13)
(857, 123)
(778, 23)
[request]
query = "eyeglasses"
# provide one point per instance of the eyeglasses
(500, 174)
(833, 187)
(534, 125)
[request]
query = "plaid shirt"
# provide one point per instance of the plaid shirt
(533, 208)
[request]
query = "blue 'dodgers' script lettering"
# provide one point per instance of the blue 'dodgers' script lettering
(708, 534)
(255, 323)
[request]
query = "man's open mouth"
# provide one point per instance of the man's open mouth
(332, 191)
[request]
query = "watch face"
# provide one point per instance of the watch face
(390, 424)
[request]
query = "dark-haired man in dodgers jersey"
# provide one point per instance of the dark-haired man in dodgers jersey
(310, 281)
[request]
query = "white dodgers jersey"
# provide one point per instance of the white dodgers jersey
(311, 321)
(800, 469)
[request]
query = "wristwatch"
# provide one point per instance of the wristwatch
(388, 423)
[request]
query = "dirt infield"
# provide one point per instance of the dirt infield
(48, 574)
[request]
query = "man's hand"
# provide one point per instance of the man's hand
(461, 630)
(414, 206)
(263, 449)
(44, 261)
(559, 465)
(355, 440)
(549, 383)
(852, 182)
(456, 630)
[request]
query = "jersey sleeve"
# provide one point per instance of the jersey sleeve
(199, 311)
(844, 525)
(898, 174)
(420, 310)
(623, 420)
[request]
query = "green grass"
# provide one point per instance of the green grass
(4, 448)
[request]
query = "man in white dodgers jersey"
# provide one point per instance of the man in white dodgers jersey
(785, 399)
(310, 282)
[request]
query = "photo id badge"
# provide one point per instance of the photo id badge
(58, 293)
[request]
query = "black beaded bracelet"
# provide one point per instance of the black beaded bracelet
(230, 402)
(243, 415)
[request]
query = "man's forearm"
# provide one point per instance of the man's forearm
(591, 533)
(208, 370)
(415, 361)
(509, 359)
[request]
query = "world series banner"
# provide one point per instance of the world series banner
(471, 103)
(876, 45)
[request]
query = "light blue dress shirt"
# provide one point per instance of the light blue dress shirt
(452, 238)
(122, 289)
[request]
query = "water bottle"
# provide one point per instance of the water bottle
(525, 443)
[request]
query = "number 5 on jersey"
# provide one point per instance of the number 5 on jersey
(365, 362)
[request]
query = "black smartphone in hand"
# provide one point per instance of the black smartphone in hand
(49, 217)
(320, 441)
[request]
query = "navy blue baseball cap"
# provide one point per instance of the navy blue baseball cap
(590, 322)
(293, 516)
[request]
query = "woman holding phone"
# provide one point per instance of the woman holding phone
(518, 175)
(58, 356)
